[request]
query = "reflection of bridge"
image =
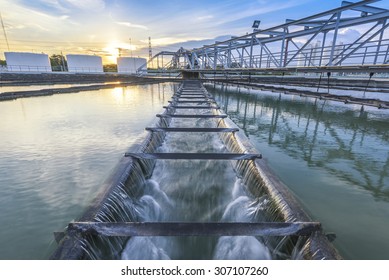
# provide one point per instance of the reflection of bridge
(280, 48)
(348, 140)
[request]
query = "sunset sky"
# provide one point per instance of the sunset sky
(102, 26)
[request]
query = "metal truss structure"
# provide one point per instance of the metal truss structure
(310, 42)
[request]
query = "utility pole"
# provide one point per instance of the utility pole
(133, 59)
(150, 52)
(130, 48)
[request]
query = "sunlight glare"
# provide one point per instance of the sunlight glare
(112, 53)
(117, 49)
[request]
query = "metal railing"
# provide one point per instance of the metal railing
(86, 69)
(26, 68)
(313, 41)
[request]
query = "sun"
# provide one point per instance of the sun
(112, 53)
(116, 49)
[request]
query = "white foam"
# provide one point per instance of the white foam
(238, 210)
(143, 248)
(152, 188)
(241, 248)
(242, 209)
(239, 189)
(150, 209)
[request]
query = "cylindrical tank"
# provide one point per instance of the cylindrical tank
(27, 62)
(131, 64)
(84, 63)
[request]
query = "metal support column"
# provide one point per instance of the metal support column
(334, 39)
(379, 43)
(251, 52)
(322, 48)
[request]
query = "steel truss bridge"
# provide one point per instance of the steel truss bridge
(308, 44)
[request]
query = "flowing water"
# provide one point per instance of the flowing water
(195, 191)
(56, 151)
(334, 157)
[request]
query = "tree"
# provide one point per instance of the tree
(58, 62)
(110, 68)
(3, 62)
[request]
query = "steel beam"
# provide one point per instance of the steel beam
(194, 156)
(244, 49)
(193, 229)
(364, 8)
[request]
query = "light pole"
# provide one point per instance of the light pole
(133, 59)
(130, 47)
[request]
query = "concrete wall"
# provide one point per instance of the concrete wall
(130, 64)
(84, 63)
(27, 62)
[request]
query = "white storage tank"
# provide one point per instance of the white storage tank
(27, 62)
(131, 64)
(84, 63)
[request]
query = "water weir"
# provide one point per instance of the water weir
(194, 189)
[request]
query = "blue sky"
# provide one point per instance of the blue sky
(103, 26)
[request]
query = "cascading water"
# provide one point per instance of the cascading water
(145, 190)
(196, 191)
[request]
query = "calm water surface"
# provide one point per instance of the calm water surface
(334, 157)
(56, 151)
(4, 89)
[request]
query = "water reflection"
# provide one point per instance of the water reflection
(334, 158)
(4, 88)
(55, 153)
(349, 144)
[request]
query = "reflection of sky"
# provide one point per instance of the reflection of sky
(36, 87)
(334, 157)
(342, 141)
(384, 96)
(55, 153)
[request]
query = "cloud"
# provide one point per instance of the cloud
(254, 11)
(129, 24)
(214, 18)
(163, 41)
(173, 44)
(27, 18)
(95, 5)
(38, 26)
(48, 24)
(207, 17)
(348, 35)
